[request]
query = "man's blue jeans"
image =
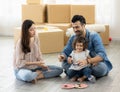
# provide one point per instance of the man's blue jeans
(98, 71)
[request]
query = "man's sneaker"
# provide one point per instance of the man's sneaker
(92, 79)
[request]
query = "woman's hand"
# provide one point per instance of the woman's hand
(40, 63)
(44, 66)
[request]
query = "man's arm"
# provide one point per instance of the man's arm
(67, 50)
(97, 49)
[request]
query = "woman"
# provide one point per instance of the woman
(28, 63)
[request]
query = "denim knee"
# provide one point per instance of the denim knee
(87, 71)
(100, 70)
(71, 73)
(65, 65)
(60, 71)
(26, 75)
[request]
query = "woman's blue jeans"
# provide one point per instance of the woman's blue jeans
(29, 75)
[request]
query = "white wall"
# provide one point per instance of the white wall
(115, 27)
(10, 16)
(108, 12)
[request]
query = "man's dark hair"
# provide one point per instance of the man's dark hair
(78, 18)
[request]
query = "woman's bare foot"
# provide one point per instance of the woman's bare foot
(81, 79)
(34, 81)
(40, 75)
(38, 72)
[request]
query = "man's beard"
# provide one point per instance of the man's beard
(79, 32)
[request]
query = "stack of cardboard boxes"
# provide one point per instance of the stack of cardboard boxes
(34, 2)
(34, 10)
(61, 15)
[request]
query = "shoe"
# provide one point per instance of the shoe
(106, 74)
(92, 79)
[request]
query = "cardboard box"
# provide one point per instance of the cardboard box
(17, 30)
(51, 41)
(64, 27)
(34, 1)
(58, 13)
(34, 12)
(105, 35)
(88, 11)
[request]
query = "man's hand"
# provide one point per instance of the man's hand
(94, 64)
(70, 59)
(61, 57)
(82, 62)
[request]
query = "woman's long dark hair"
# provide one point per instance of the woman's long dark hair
(25, 37)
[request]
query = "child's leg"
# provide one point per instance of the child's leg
(87, 72)
(74, 74)
(81, 76)
(74, 78)
(71, 73)
(81, 79)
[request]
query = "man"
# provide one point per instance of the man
(99, 61)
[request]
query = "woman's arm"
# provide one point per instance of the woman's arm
(38, 63)
(39, 54)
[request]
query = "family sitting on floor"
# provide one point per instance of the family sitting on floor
(83, 57)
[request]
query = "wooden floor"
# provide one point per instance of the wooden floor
(8, 83)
